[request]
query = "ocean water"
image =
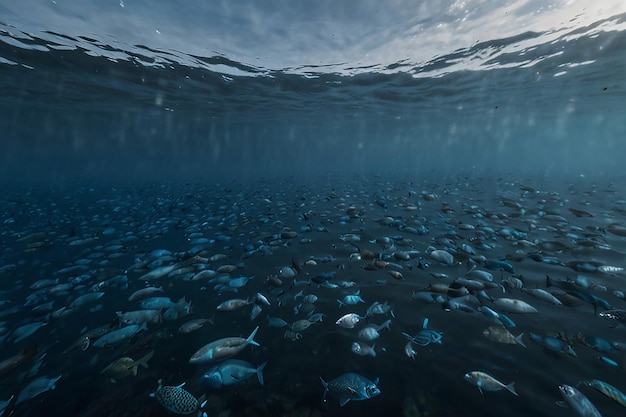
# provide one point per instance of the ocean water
(313, 139)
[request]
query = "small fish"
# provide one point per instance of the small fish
(4, 404)
(609, 390)
(123, 367)
(363, 349)
(485, 381)
(300, 325)
(371, 332)
(16, 360)
(553, 344)
(501, 335)
(177, 400)
(192, 325)
(576, 400)
(222, 348)
(229, 372)
(512, 305)
(144, 293)
(233, 304)
(348, 321)
(262, 299)
(379, 309)
(409, 351)
(276, 322)
(116, 336)
(36, 387)
(351, 299)
(26, 330)
(351, 387)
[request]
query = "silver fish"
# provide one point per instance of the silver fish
(36, 387)
(348, 321)
(486, 382)
(116, 336)
(222, 348)
(578, 402)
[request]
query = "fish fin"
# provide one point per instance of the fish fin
(259, 372)
(376, 381)
(144, 361)
(325, 384)
(561, 404)
(511, 388)
(113, 381)
(250, 339)
(519, 341)
(134, 368)
(343, 401)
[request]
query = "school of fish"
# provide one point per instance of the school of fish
(350, 284)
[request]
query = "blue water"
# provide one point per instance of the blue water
(156, 121)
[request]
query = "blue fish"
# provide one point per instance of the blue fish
(229, 372)
(351, 386)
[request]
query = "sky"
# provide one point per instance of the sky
(302, 35)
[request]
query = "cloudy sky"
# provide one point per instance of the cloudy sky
(283, 34)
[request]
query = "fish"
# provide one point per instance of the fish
(145, 293)
(578, 402)
(379, 309)
(512, 305)
(119, 335)
(14, 361)
(26, 330)
(351, 299)
(4, 404)
(363, 349)
(192, 325)
(123, 367)
(233, 304)
(618, 315)
(348, 321)
(155, 303)
(177, 400)
(222, 348)
(425, 337)
(553, 344)
(229, 372)
(140, 316)
(84, 341)
(501, 335)
(351, 387)
(543, 295)
(608, 390)
(371, 332)
(487, 382)
(37, 387)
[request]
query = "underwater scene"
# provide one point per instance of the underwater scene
(308, 209)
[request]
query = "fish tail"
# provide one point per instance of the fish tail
(325, 384)
(386, 325)
(341, 304)
(511, 388)
(144, 361)
(259, 372)
(519, 341)
(250, 339)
